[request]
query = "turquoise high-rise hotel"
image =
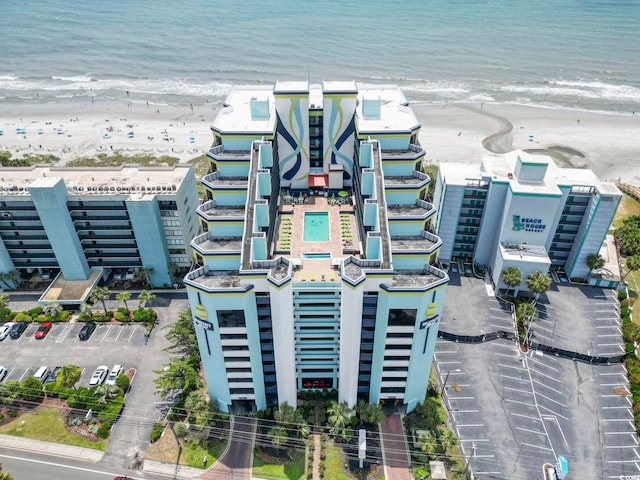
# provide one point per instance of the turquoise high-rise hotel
(317, 265)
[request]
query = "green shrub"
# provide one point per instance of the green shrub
(122, 382)
(65, 393)
(13, 413)
(624, 311)
(31, 389)
(112, 412)
(52, 389)
(23, 317)
(123, 311)
(64, 316)
(109, 314)
(622, 295)
(104, 430)
(120, 316)
(34, 312)
(156, 432)
(99, 317)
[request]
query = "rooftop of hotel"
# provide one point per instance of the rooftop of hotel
(523, 251)
(248, 108)
(502, 168)
(127, 180)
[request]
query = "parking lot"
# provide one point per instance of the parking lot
(514, 410)
(110, 344)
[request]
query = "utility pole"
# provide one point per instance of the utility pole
(473, 455)
(170, 424)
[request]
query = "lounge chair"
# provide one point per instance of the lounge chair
(312, 277)
(303, 277)
(332, 276)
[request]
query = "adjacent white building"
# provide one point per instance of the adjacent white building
(521, 210)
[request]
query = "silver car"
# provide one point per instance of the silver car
(4, 330)
(99, 375)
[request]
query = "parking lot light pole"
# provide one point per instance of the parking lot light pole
(446, 378)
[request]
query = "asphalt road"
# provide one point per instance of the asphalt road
(42, 467)
(515, 410)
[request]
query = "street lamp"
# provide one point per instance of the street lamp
(446, 378)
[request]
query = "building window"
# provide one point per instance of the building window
(402, 317)
(231, 318)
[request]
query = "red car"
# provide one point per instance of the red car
(43, 329)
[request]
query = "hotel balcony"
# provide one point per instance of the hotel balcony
(215, 181)
(211, 212)
(214, 280)
(218, 153)
(426, 242)
(206, 243)
(414, 152)
(421, 210)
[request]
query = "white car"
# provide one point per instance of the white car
(4, 330)
(113, 374)
(3, 373)
(99, 375)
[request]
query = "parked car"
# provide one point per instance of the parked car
(42, 330)
(99, 375)
(87, 330)
(123, 477)
(113, 374)
(4, 330)
(53, 375)
(130, 274)
(18, 329)
(3, 373)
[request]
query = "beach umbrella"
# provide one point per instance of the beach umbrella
(130, 134)
(343, 193)
(192, 139)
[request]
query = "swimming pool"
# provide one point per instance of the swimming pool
(316, 227)
(316, 256)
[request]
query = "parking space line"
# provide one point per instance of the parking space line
(615, 408)
(551, 400)
(530, 431)
(504, 355)
(449, 363)
(513, 367)
(26, 371)
(65, 332)
(547, 386)
(555, 414)
(537, 446)
(528, 392)
(548, 377)
(542, 364)
(611, 373)
(529, 417)
(464, 411)
(133, 330)
(519, 402)
(108, 329)
(118, 334)
(622, 461)
(473, 440)
(515, 378)
(621, 446)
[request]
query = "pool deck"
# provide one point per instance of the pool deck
(339, 242)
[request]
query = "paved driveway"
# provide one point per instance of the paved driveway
(394, 448)
(237, 460)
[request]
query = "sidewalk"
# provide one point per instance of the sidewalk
(169, 470)
(49, 448)
(394, 449)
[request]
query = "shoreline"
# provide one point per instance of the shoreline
(607, 143)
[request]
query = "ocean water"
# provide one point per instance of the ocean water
(582, 54)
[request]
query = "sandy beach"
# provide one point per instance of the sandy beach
(609, 144)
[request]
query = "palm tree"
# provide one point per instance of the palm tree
(4, 301)
(595, 261)
(122, 297)
(145, 298)
(512, 277)
(68, 376)
(143, 274)
(526, 313)
(538, 283)
(13, 278)
(632, 263)
(100, 294)
(3, 280)
(4, 475)
(338, 419)
(52, 309)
